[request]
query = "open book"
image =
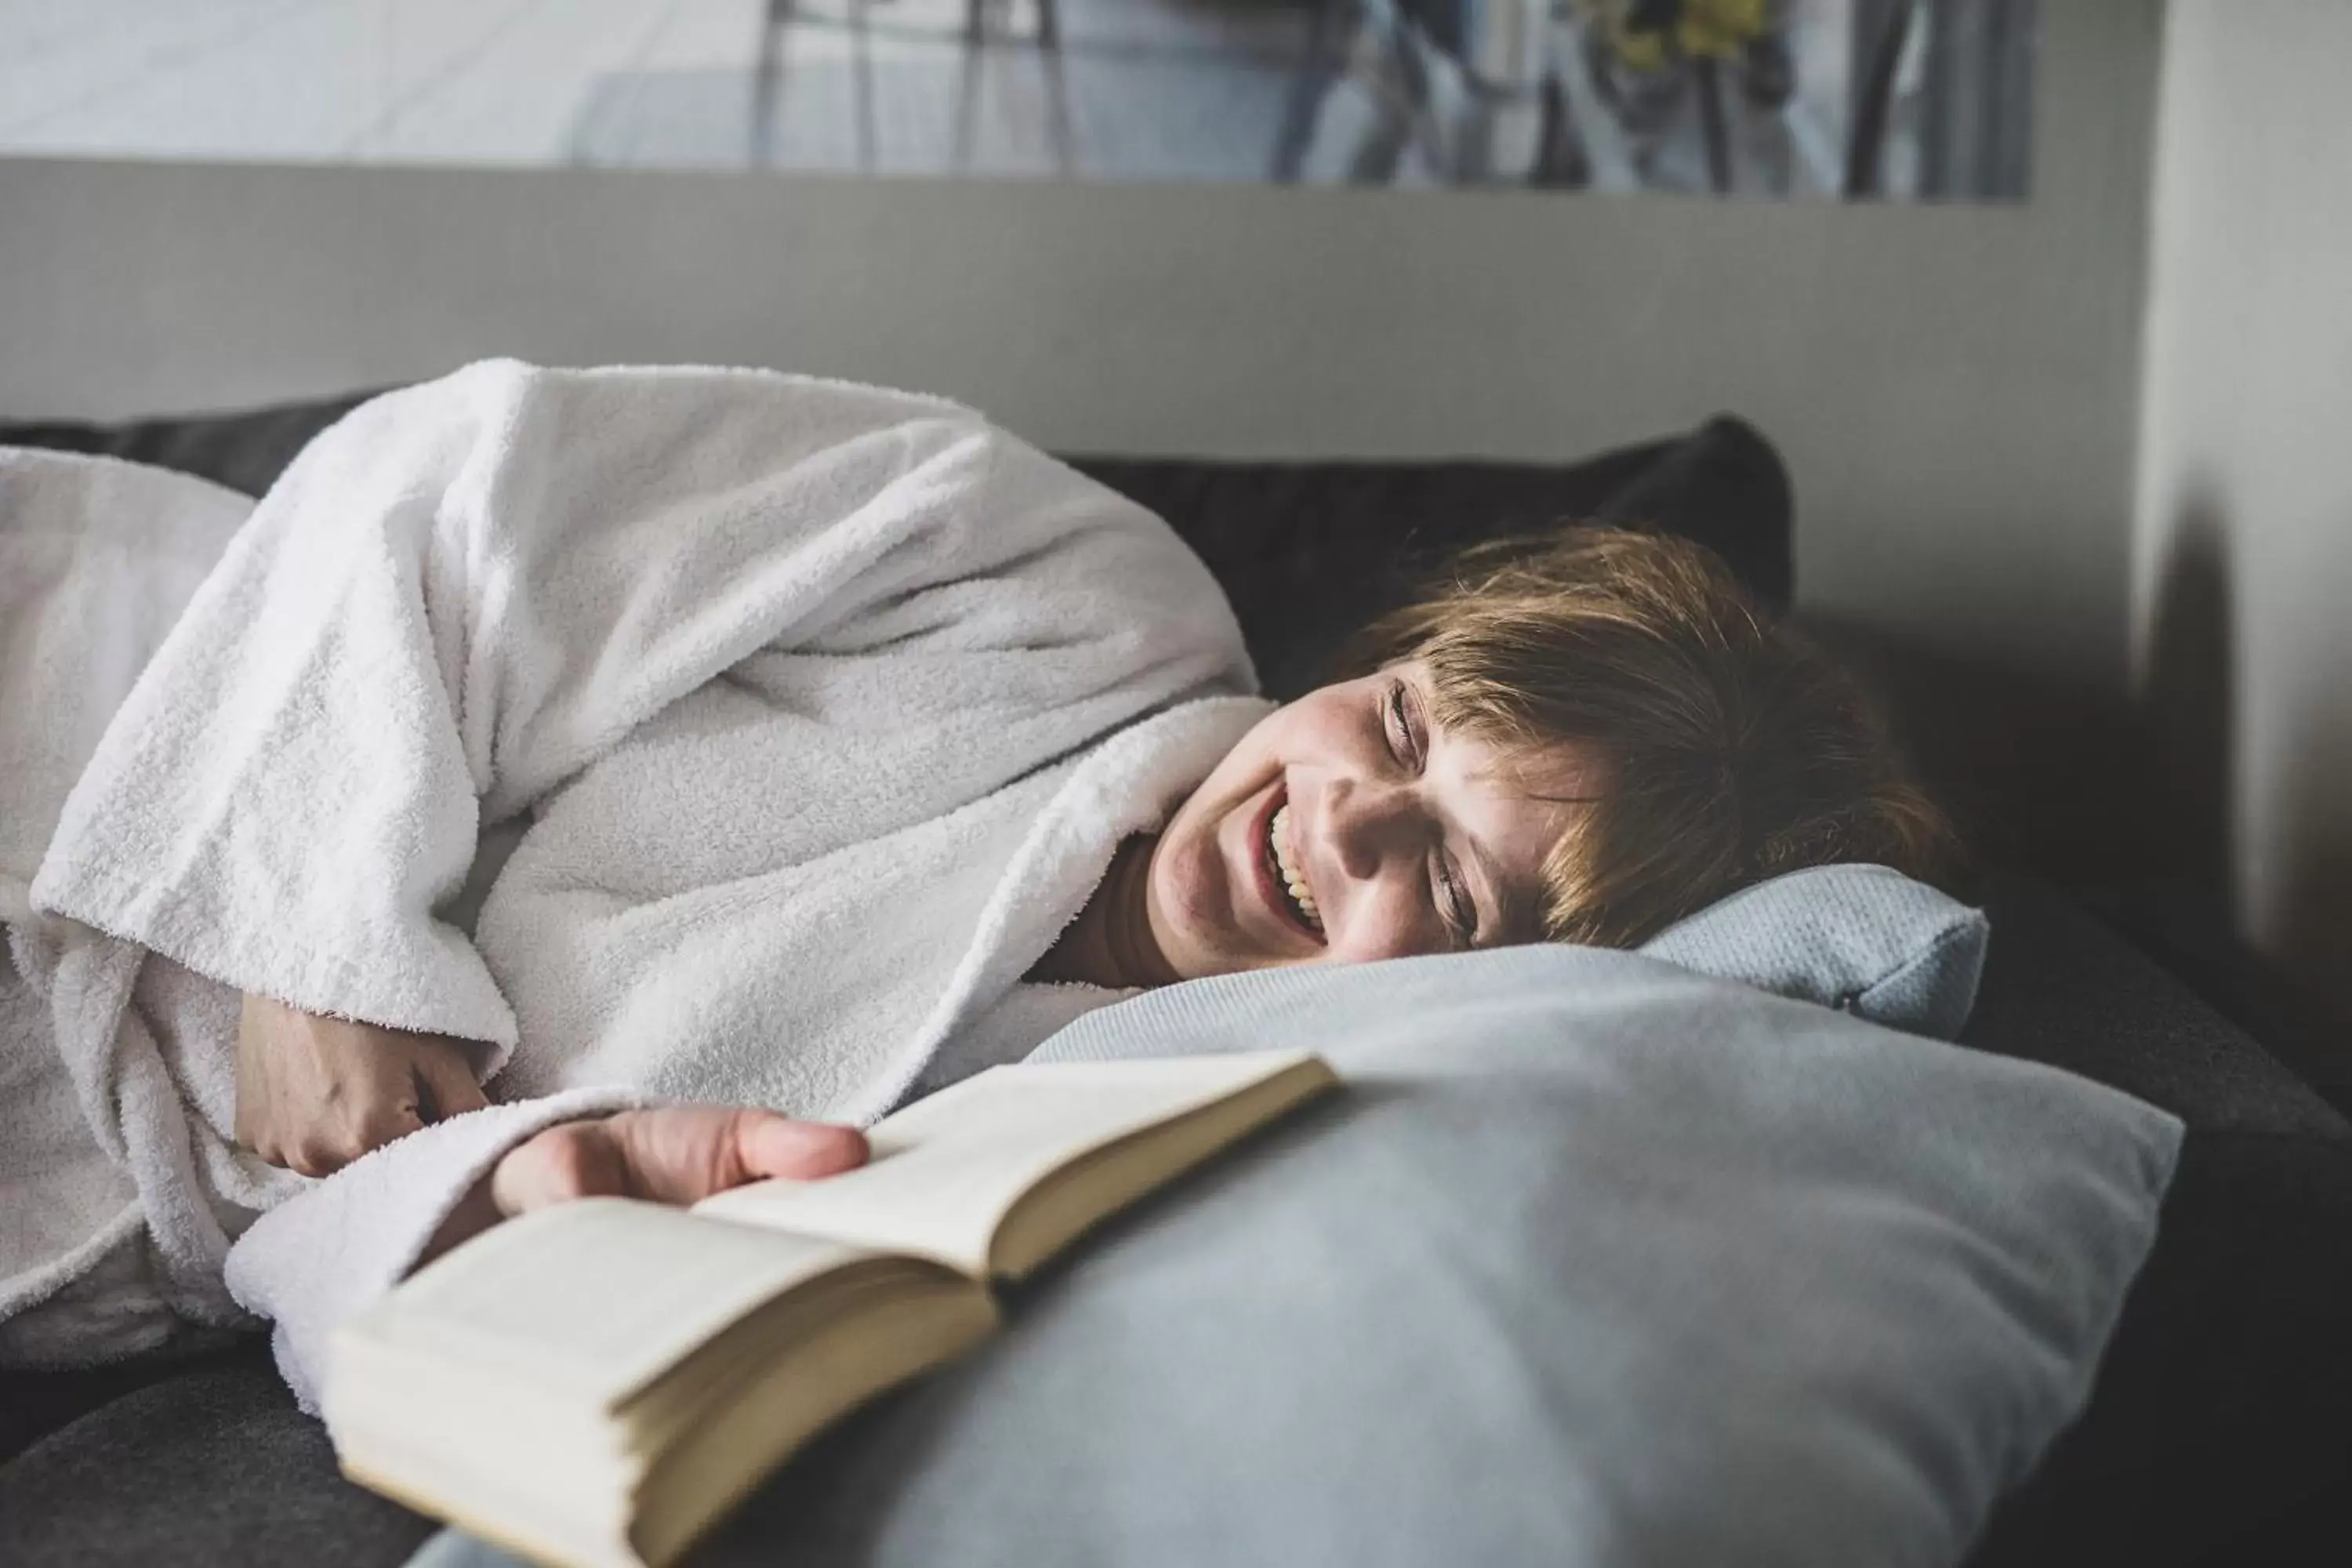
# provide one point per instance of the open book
(598, 1382)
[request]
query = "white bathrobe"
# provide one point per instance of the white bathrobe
(775, 726)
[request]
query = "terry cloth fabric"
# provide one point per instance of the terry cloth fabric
(97, 559)
(811, 712)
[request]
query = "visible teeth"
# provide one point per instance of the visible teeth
(1279, 834)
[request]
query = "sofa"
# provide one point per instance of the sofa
(2218, 1430)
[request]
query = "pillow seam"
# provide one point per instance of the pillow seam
(1942, 941)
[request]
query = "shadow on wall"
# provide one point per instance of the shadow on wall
(2043, 773)
(2313, 910)
(2188, 909)
(2132, 803)
(2188, 693)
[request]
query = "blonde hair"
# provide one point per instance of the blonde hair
(1728, 748)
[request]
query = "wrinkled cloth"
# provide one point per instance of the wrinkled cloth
(773, 728)
(118, 1192)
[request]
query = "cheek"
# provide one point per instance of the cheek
(1198, 879)
(1317, 730)
(1382, 921)
(1236, 775)
(1187, 896)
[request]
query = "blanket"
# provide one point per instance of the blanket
(688, 733)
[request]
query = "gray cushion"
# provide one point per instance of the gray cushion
(1596, 1261)
(1865, 939)
(213, 1464)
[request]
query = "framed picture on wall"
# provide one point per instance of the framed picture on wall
(1903, 99)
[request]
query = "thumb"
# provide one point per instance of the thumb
(770, 1144)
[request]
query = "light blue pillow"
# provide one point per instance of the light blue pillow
(1594, 1261)
(1865, 940)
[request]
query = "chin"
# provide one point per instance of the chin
(1192, 893)
(1186, 894)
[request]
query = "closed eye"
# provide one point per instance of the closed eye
(1455, 907)
(1403, 745)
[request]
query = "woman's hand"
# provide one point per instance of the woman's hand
(672, 1154)
(315, 1093)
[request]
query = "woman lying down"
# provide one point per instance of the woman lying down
(706, 762)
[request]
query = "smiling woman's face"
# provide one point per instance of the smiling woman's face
(1348, 826)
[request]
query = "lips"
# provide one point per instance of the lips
(1269, 888)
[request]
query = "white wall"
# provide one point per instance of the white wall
(1954, 387)
(2245, 501)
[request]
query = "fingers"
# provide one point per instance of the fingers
(315, 1154)
(571, 1160)
(322, 1148)
(675, 1154)
(323, 1151)
(770, 1144)
(683, 1153)
(449, 1087)
(314, 1094)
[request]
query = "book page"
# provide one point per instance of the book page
(946, 1169)
(594, 1299)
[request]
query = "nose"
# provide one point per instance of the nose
(1365, 822)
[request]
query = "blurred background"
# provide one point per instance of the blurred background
(1775, 97)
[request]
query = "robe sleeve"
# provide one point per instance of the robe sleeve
(466, 592)
(313, 1261)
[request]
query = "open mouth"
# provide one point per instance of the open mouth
(1291, 894)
